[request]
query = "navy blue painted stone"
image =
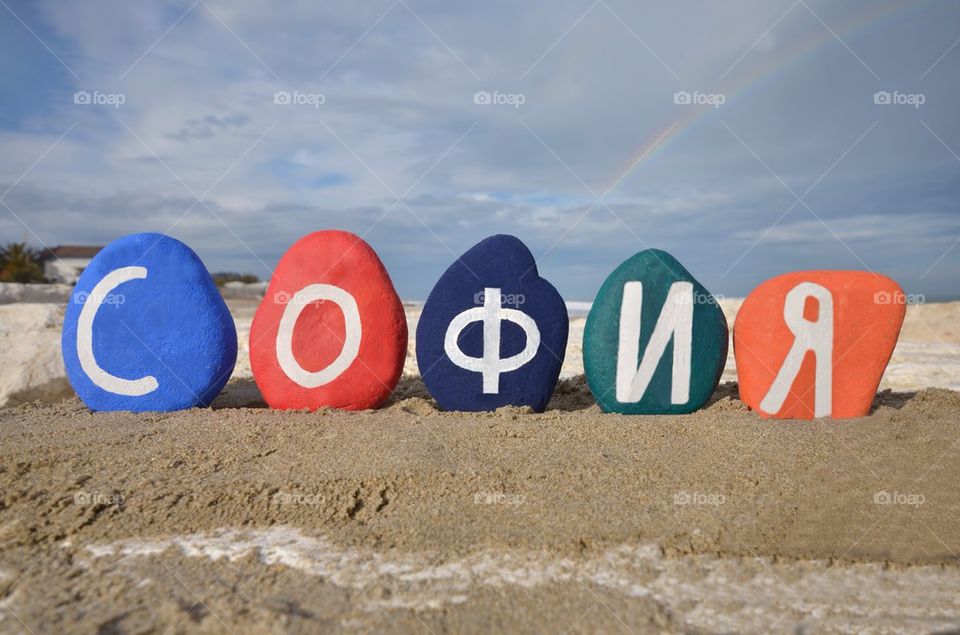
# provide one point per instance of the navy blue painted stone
(146, 329)
(650, 306)
(493, 332)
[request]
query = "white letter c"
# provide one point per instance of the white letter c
(101, 378)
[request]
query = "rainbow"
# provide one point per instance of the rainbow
(737, 84)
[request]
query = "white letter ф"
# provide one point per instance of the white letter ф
(675, 321)
(351, 343)
(490, 366)
(101, 378)
(808, 336)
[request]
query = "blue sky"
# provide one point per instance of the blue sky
(583, 151)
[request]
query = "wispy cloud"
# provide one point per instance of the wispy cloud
(493, 117)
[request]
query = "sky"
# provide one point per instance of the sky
(747, 138)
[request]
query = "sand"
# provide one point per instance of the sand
(240, 519)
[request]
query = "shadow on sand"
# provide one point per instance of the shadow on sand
(571, 395)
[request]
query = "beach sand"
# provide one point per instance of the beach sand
(405, 519)
(238, 519)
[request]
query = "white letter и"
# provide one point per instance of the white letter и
(675, 321)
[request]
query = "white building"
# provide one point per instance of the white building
(66, 262)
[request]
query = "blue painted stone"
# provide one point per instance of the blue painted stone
(703, 336)
(161, 336)
(532, 330)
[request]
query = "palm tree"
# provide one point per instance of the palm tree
(19, 263)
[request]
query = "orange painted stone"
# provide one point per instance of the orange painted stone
(815, 343)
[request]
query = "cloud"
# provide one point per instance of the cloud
(206, 127)
(382, 134)
(930, 228)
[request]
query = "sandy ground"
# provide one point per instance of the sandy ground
(237, 519)
(406, 519)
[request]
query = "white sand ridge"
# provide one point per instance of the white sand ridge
(716, 594)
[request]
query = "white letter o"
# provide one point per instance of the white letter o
(351, 343)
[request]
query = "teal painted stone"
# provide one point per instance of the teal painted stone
(655, 341)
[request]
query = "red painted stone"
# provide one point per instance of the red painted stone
(331, 329)
(867, 313)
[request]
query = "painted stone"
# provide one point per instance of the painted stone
(493, 332)
(655, 340)
(815, 343)
(146, 329)
(330, 331)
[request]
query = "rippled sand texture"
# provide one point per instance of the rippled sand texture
(238, 519)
